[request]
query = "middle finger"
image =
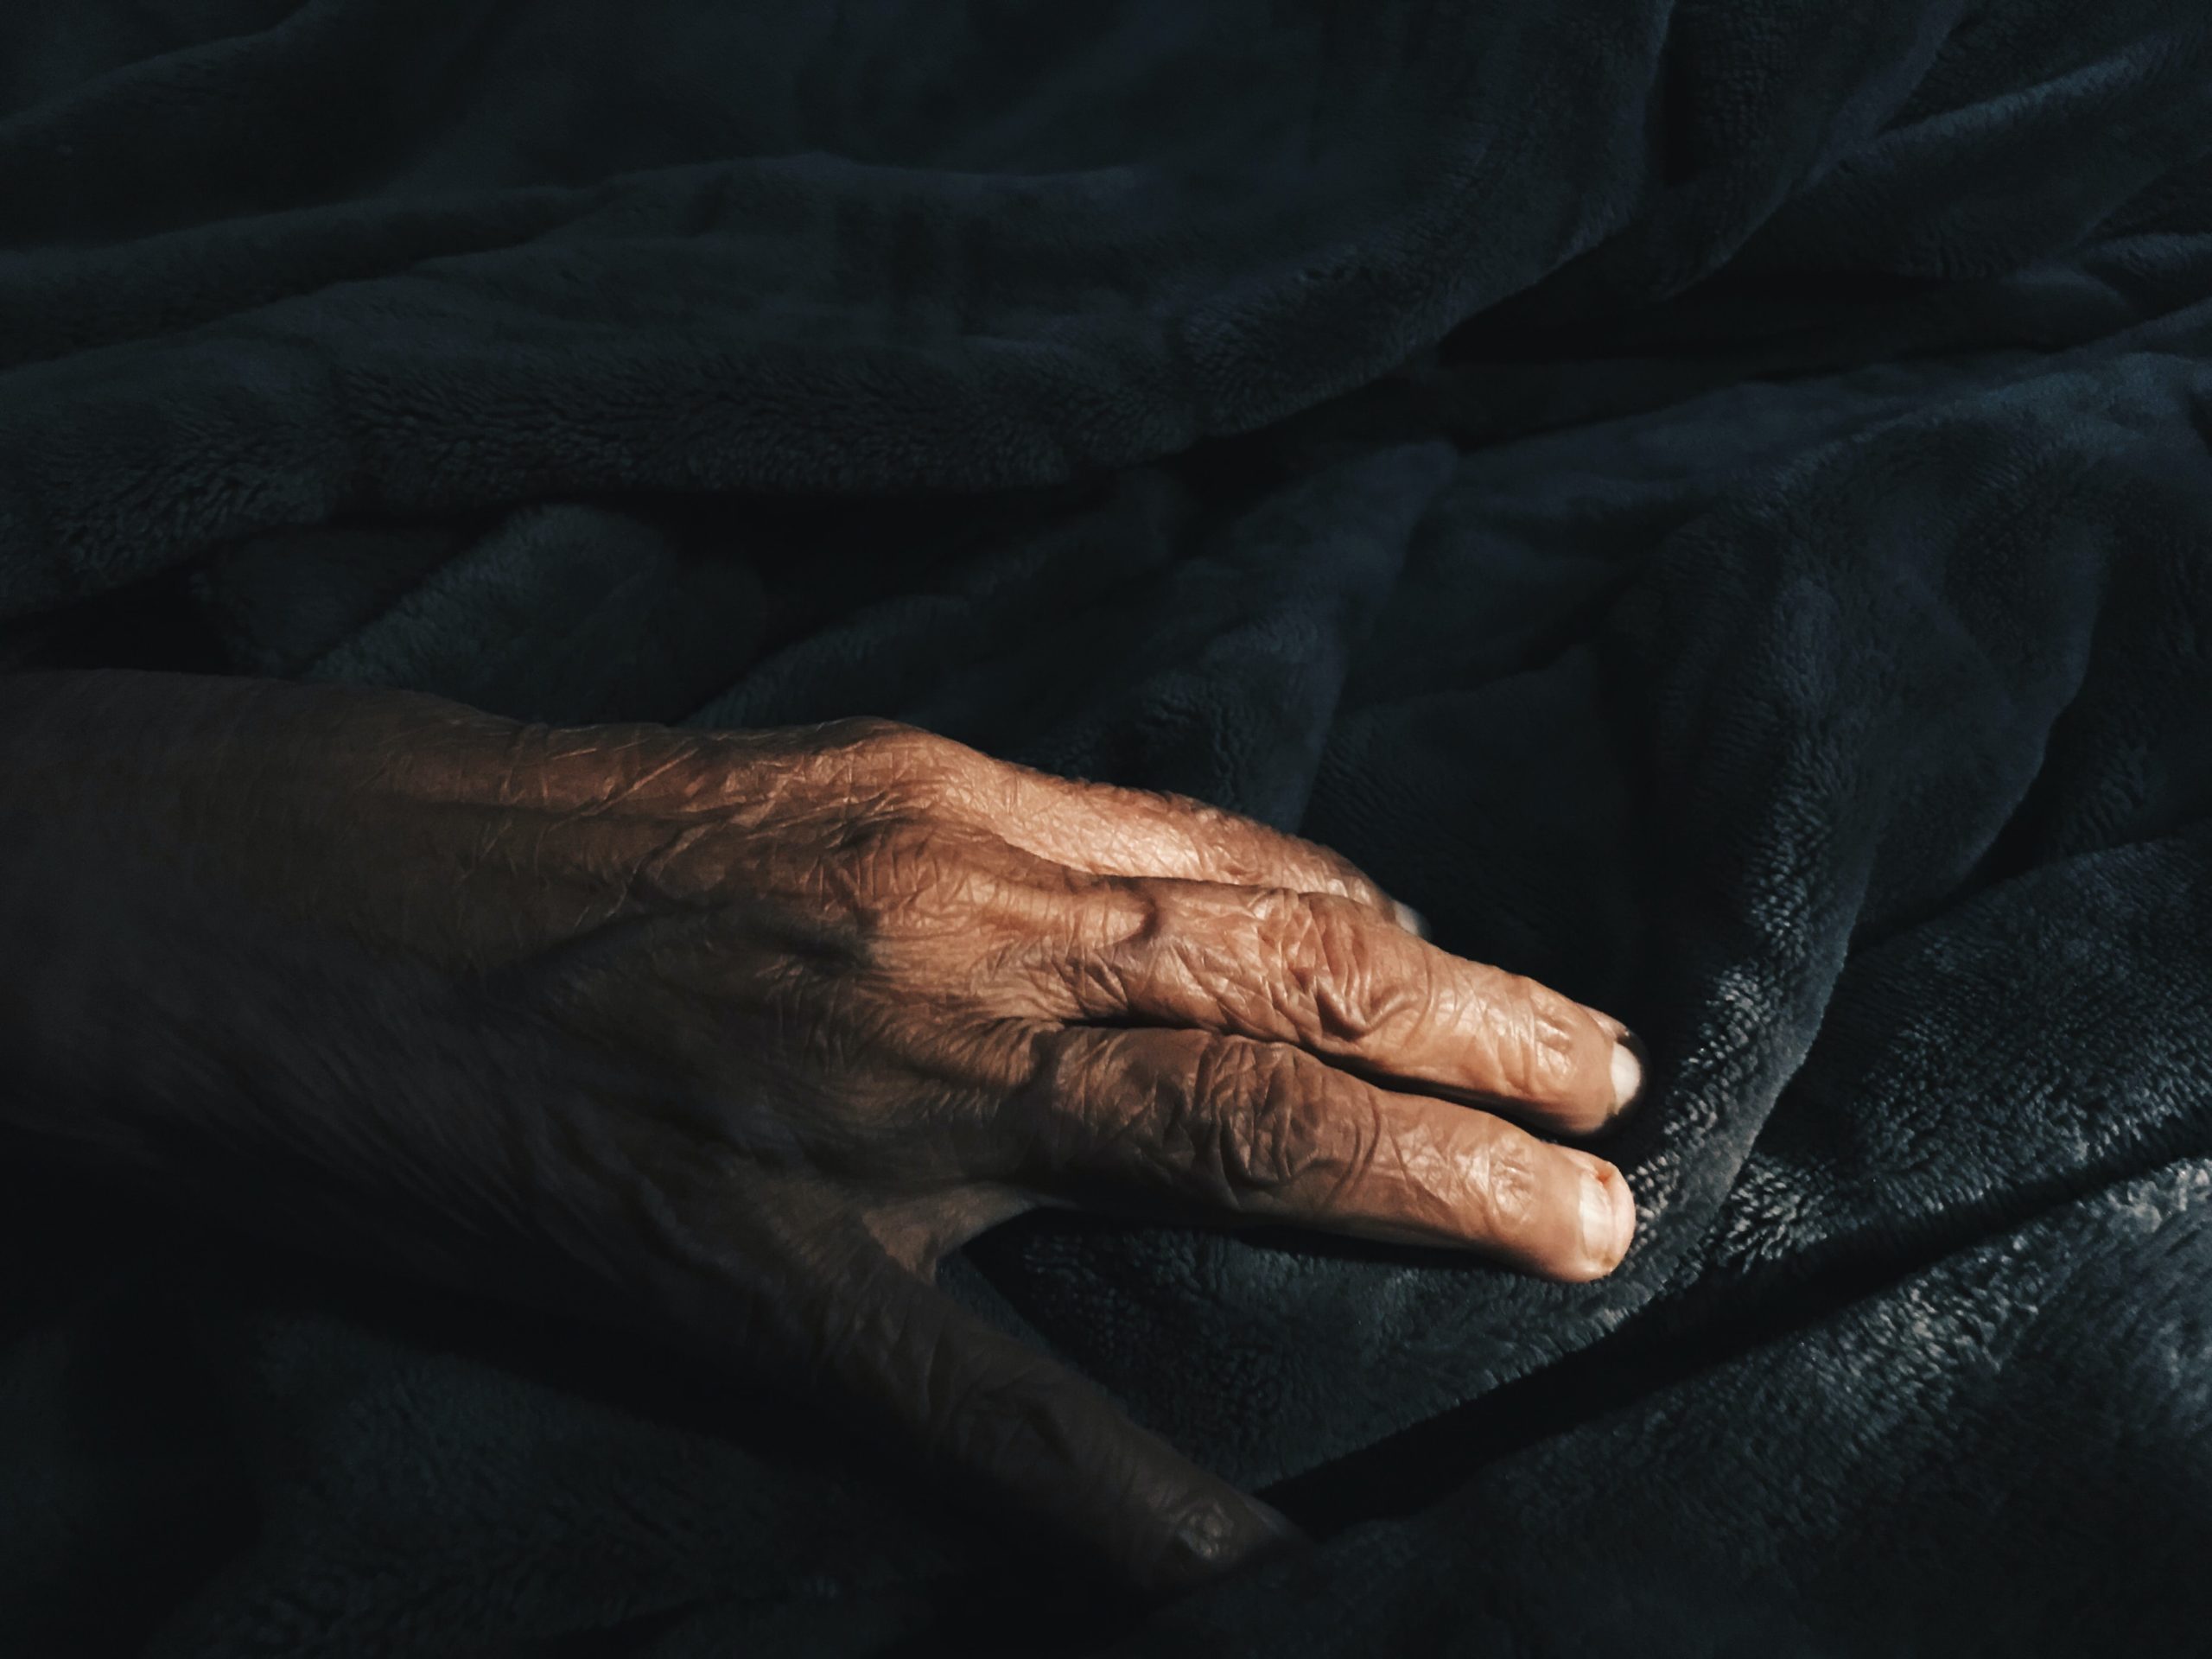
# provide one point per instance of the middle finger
(1331, 977)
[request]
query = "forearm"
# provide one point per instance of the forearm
(111, 893)
(248, 786)
(405, 821)
(166, 1022)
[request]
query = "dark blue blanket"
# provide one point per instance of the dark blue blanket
(1709, 500)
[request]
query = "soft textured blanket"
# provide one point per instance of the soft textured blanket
(1709, 500)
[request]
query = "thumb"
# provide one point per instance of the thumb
(1022, 1435)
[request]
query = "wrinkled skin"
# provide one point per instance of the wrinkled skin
(849, 995)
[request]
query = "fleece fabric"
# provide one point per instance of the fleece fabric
(1708, 500)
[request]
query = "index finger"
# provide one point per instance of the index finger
(1110, 830)
(1018, 1432)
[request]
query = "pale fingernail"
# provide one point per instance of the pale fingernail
(1215, 1540)
(1210, 1540)
(1411, 919)
(1604, 1237)
(1627, 1075)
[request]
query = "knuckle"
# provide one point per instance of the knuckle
(1243, 1117)
(870, 734)
(839, 1338)
(1550, 1047)
(1357, 1140)
(943, 1390)
(879, 839)
(893, 867)
(1132, 912)
(996, 1418)
(1337, 986)
(1521, 1050)
(910, 754)
(1021, 1425)
(1506, 1184)
(879, 864)
(1202, 815)
(1331, 874)
(1309, 970)
(869, 759)
(1057, 1116)
(1227, 837)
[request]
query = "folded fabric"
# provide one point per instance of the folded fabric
(1710, 501)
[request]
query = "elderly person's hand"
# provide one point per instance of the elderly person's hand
(838, 998)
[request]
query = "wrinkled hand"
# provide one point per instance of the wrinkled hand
(878, 992)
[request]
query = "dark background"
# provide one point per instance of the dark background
(1709, 501)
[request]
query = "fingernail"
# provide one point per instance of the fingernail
(1605, 1235)
(1216, 1539)
(1211, 1539)
(1628, 1074)
(1411, 919)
